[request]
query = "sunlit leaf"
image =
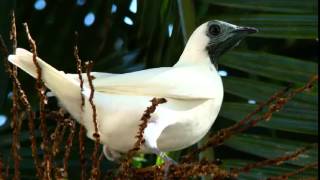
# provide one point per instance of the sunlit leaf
(283, 6)
(272, 66)
(269, 147)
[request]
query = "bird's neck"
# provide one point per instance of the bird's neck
(192, 56)
(195, 51)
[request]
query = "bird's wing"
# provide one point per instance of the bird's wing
(189, 82)
(94, 75)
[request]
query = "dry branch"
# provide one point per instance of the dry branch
(185, 170)
(274, 161)
(16, 124)
(82, 151)
(295, 172)
(124, 170)
(43, 100)
(72, 128)
(95, 160)
(82, 129)
(23, 98)
(279, 98)
(79, 69)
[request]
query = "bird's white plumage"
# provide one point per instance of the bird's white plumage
(186, 82)
(194, 95)
(192, 88)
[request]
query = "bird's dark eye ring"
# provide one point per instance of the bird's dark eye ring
(214, 30)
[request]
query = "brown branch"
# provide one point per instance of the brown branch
(95, 169)
(274, 161)
(43, 99)
(81, 152)
(57, 135)
(280, 100)
(125, 165)
(223, 134)
(79, 69)
(82, 129)
(16, 125)
(68, 146)
(23, 98)
(144, 122)
(184, 171)
(25, 102)
(295, 172)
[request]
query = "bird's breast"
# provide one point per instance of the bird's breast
(191, 126)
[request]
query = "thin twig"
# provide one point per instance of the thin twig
(43, 99)
(295, 172)
(57, 135)
(280, 100)
(81, 152)
(274, 161)
(68, 146)
(25, 102)
(23, 98)
(95, 169)
(79, 68)
(15, 124)
(125, 165)
(185, 170)
(82, 129)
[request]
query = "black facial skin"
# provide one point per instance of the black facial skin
(214, 30)
(216, 49)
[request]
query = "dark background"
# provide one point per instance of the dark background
(283, 53)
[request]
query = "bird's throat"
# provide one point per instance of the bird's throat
(213, 55)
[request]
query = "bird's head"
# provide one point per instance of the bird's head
(213, 39)
(223, 36)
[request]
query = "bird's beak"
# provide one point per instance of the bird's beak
(234, 39)
(246, 30)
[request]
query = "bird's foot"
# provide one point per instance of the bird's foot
(110, 154)
(167, 161)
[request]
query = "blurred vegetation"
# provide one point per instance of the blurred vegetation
(284, 53)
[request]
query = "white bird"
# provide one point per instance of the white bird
(192, 87)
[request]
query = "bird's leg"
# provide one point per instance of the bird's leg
(167, 161)
(111, 154)
(151, 135)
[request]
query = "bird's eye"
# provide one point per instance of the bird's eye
(214, 30)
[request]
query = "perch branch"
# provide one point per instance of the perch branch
(95, 159)
(82, 129)
(274, 161)
(280, 100)
(72, 128)
(125, 165)
(43, 100)
(16, 124)
(295, 172)
(186, 170)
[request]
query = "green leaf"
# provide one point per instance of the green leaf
(279, 25)
(261, 90)
(283, 6)
(304, 121)
(268, 147)
(272, 66)
(265, 172)
(187, 17)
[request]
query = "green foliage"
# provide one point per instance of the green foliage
(283, 53)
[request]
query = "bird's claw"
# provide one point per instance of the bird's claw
(167, 163)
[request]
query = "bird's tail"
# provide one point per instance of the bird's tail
(65, 88)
